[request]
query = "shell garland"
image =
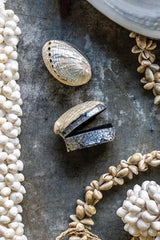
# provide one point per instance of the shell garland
(65, 63)
(11, 189)
(85, 210)
(141, 211)
(146, 58)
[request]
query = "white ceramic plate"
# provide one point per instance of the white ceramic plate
(141, 16)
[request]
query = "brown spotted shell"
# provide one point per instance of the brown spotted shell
(65, 63)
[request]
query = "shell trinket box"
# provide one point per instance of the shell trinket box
(72, 126)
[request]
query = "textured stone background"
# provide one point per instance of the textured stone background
(54, 178)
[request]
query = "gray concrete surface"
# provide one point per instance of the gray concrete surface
(54, 178)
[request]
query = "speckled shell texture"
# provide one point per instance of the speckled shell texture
(65, 63)
(90, 139)
(74, 113)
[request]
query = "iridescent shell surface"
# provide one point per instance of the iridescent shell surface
(65, 63)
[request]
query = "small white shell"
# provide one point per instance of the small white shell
(135, 209)
(121, 212)
(142, 225)
(131, 219)
(156, 225)
(152, 207)
(65, 63)
(148, 217)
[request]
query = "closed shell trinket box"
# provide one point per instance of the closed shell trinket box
(72, 126)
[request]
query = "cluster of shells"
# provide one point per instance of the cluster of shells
(141, 211)
(11, 189)
(146, 59)
(127, 168)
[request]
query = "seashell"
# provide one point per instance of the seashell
(157, 76)
(130, 193)
(147, 217)
(152, 232)
(157, 88)
(97, 194)
(112, 171)
(74, 218)
(145, 185)
(142, 225)
(136, 190)
(122, 173)
(89, 210)
(127, 204)
(152, 190)
(119, 181)
(133, 200)
(66, 126)
(126, 227)
(144, 235)
(149, 86)
(133, 230)
(94, 184)
(156, 225)
(155, 163)
(107, 178)
(89, 197)
(80, 202)
(157, 197)
(149, 74)
(65, 63)
(124, 164)
(141, 42)
(87, 221)
(154, 67)
(152, 207)
(106, 186)
(73, 224)
(121, 212)
(80, 212)
(156, 101)
(129, 218)
(144, 195)
(134, 209)
(133, 169)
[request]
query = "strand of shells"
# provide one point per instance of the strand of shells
(141, 211)
(11, 189)
(146, 59)
(127, 168)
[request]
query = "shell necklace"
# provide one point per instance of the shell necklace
(11, 189)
